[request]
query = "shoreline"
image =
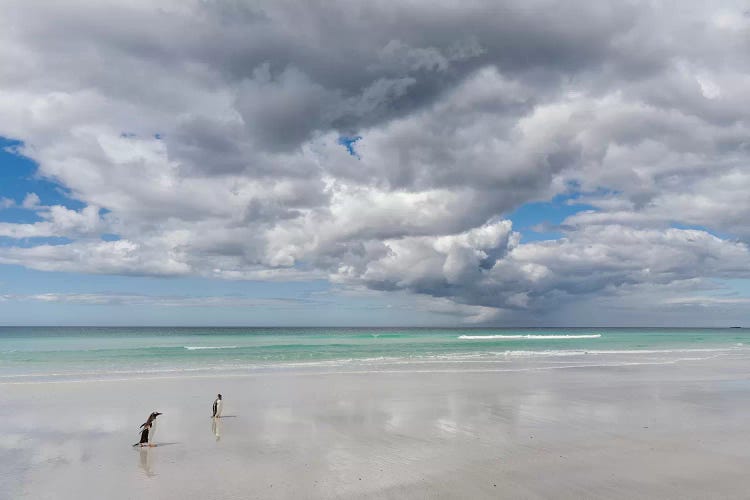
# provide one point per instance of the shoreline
(653, 431)
(519, 360)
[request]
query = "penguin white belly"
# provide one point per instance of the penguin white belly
(219, 407)
(152, 433)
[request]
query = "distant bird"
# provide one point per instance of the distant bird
(148, 429)
(218, 405)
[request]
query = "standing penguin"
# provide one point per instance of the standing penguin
(148, 429)
(218, 404)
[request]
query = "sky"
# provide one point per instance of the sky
(375, 163)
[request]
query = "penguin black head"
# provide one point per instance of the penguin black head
(219, 396)
(150, 419)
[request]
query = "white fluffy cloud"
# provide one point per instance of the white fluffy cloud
(58, 221)
(206, 136)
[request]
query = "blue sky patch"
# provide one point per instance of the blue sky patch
(348, 142)
(18, 177)
(541, 220)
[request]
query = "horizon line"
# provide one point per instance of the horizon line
(469, 327)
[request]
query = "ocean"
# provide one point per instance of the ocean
(43, 354)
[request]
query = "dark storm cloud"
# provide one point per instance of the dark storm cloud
(303, 68)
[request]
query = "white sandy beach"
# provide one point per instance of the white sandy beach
(643, 431)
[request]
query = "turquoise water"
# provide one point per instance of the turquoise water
(44, 352)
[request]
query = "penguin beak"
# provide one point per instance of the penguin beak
(157, 414)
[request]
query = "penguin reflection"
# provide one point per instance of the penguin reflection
(216, 428)
(146, 462)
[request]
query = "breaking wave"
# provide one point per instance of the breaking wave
(528, 337)
(200, 348)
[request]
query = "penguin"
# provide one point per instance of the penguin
(148, 429)
(218, 404)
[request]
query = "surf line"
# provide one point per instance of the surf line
(529, 337)
(201, 348)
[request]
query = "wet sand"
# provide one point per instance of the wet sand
(643, 431)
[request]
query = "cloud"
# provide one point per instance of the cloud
(31, 201)
(702, 301)
(58, 221)
(99, 299)
(495, 271)
(206, 136)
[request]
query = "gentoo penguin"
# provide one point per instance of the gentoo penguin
(148, 429)
(218, 404)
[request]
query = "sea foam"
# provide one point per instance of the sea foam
(528, 337)
(199, 348)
